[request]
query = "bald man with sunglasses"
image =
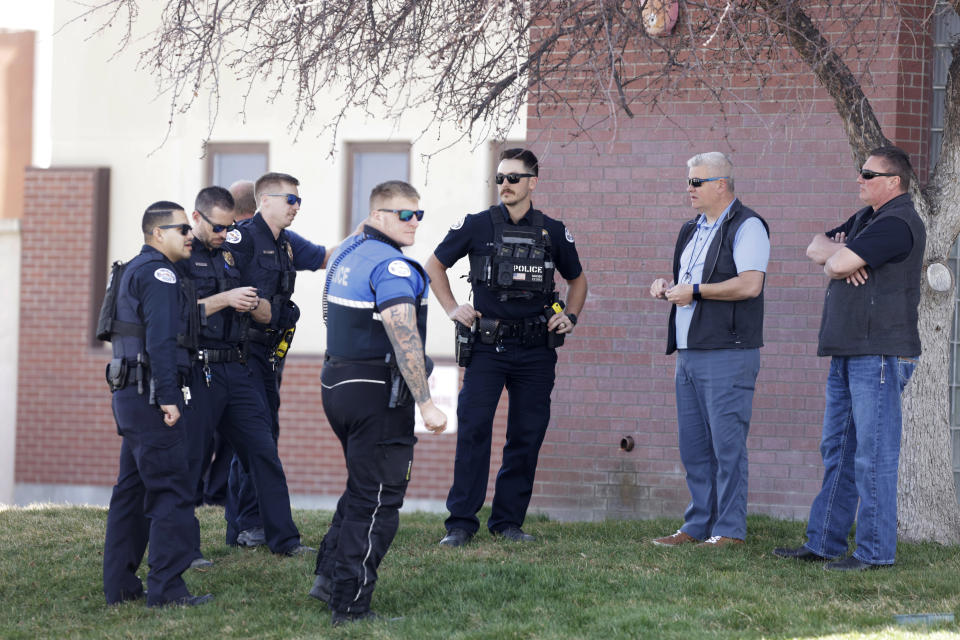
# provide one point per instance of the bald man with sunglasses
(716, 328)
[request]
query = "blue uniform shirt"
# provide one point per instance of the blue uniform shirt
(475, 235)
(368, 275)
(751, 252)
(150, 294)
(270, 264)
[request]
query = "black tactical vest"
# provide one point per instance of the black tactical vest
(521, 265)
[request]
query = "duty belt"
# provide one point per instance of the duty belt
(267, 337)
(370, 362)
(219, 355)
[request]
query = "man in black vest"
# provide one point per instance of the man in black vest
(514, 251)
(869, 328)
(716, 326)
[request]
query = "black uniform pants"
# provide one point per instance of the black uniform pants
(234, 404)
(528, 373)
(378, 447)
(152, 501)
(242, 492)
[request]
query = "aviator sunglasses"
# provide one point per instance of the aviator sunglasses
(292, 199)
(217, 228)
(696, 183)
(866, 174)
(182, 227)
(512, 178)
(405, 215)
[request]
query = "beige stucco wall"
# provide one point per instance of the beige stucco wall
(9, 334)
(106, 113)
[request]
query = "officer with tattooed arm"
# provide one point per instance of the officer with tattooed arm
(375, 306)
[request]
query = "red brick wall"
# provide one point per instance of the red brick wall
(623, 195)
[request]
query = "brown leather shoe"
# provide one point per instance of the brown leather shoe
(675, 540)
(719, 541)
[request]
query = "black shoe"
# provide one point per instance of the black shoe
(516, 534)
(456, 538)
(252, 537)
(337, 618)
(321, 589)
(129, 597)
(185, 601)
(298, 550)
(851, 564)
(201, 563)
(799, 553)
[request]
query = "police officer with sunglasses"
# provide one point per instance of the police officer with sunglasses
(268, 256)
(228, 400)
(152, 500)
(375, 307)
(514, 325)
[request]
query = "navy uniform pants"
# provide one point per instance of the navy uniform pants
(234, 404)
(528, 373)
(242, 496)
(216, 470)
(378, 448)
(152, 501)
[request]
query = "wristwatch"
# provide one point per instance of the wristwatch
(573, 318)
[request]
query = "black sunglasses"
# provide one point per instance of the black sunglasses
(866, 174)
(217, 228)
(512, 178)
(183, 227)
(292, 199)
(696, 183)
(406, 215)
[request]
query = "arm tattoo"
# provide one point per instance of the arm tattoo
(400, 322)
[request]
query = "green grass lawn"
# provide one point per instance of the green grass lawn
(580, 580)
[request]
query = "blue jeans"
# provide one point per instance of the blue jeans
(861, 451)
(714, 405)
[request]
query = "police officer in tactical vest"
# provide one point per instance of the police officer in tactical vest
(152, 329)
(375, 304)
(227, 398)
(511, 331)
(268, 256)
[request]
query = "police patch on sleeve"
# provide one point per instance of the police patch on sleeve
(459, 223)
(568, 235)
(233, 237)
(165, 275)
(399, 268)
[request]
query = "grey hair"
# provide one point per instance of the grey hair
(714, 160)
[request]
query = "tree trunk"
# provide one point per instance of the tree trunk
(927, 506)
